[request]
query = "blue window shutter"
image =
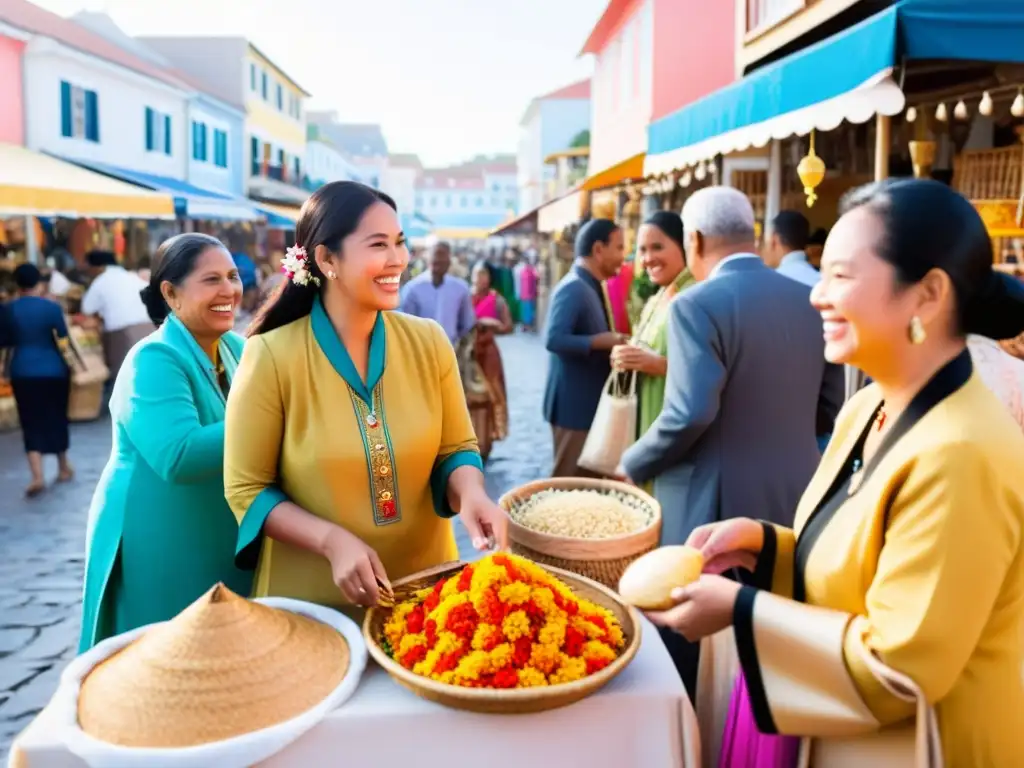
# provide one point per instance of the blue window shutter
(194, 140)
(66, 126)
(92, 116)
(149, 129)
(167, 134)
(205, 138)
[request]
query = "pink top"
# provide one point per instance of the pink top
(618, 296)
(487, 306)
(528, 283)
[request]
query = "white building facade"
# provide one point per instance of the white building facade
(85, 108)
(550, 124)
(324, 163)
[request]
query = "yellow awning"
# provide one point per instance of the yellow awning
(627, 170)
(287, 211)
(34, 184)
(459, 233)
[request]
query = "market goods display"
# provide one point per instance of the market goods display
(582, 513)
(222, 668)
(592, 527)
(648, 582)
(503, 628)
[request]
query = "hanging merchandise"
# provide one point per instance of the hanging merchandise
(811, 171)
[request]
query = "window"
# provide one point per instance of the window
(462, 201)
(79, 113)
(199, 141)
(479, 202)
(220, 148)
(298, 169)
(495, 202)
(252, 77)
(448, 201)
(280, 98)
(254, 145)
(158, 132)
(264, 86)
(510, 203)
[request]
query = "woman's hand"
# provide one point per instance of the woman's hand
(729, 544)
(485, 521)
(355, 567)
(489, 322)
(703, 608)
(626, 357)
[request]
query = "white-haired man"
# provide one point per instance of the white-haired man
(748, 388)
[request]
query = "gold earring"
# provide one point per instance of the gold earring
(917, 332)
(330, 274)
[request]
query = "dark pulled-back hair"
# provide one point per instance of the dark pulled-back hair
(593, 232)
(926, 225)
(671, 225)
(330, 215)
(792, 229)
(174, 261)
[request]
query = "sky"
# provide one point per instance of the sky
(447, 79)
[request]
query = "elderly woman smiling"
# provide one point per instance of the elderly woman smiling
(160, 532)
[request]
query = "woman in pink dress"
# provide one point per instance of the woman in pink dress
(486, 393)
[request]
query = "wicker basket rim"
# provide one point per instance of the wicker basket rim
(584, 484)
(587, 683)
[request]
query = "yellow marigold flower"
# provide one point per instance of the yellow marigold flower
(472, 665)
(426, 667)
(447, 642)
(409, 642)
(592, 631)
(515, 593)
(501, 657)
(569, 670)
(615, 635)
(516, 625)
(595, 649)
(553, 632)
(485, 635)
(445, 677)
(440, 614)
(531, 677)
(544, 598)
(545, 657)
(450, 587)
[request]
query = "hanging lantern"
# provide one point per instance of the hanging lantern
(1017, 108)
(700, 172)
(912, 114)
(941, 113)
(985, 106)
(811, 171)
(960, 110)
(686, 178)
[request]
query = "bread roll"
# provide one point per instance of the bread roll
(649, 580)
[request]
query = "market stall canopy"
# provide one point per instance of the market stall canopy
(278, 216)
(34, 184)
(627, 170)
(525, 224)
(844, 77)
(190, 201)
(562, 212)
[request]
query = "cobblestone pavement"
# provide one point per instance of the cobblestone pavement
(42, 539)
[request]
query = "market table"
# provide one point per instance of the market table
(642, 718)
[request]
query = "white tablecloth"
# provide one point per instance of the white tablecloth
(642, 718)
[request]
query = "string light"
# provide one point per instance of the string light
(941, 113)
(985, 106)
(1017, 108)
(700, 172)
(912, 114)
(960, 110)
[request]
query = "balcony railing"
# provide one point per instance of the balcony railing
(275, 172)
(762, 14)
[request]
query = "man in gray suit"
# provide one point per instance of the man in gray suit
(747, 388)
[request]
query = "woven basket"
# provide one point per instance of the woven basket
(85, 401)
(516, 700)
(603, 560)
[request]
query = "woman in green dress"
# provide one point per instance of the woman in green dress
(160, 532)
(660, 253)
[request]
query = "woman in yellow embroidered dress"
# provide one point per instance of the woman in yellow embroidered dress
(348, 443)
(907, 548)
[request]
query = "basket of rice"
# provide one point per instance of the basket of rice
(595, 528)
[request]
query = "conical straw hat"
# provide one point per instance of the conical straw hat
(223, 667)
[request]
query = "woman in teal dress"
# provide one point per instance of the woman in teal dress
(660, 253)
(160, 532)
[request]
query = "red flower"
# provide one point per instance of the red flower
(413, 656)
(574, 640)
(430, 630)
(388, 509)
(521, 652)
(465, 578)
(492, 611)
(505, 678)
(414, 621)
(448, 661)
(571, 607)
(595, 664)
(432, 601)
(462, 621)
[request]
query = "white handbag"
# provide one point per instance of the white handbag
(614, 427)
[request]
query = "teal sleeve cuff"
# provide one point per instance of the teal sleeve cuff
(250, 532)
(442, 471)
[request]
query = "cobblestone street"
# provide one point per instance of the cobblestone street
(42, 539)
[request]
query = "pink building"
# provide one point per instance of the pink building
(12, 97)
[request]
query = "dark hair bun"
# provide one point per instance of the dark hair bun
(156, 307)
(998, 310)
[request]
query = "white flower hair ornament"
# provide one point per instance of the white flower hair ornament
(295, 266)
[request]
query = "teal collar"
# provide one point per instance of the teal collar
(225, 354)
(339, 358)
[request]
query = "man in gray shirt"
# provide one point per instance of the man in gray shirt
(436, 295)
